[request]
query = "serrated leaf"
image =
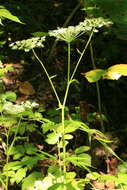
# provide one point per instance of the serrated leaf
(30, 148)
(19, 175)
(81, 160)
(94, 75)
(30, 180)
(29, 162)
(13, 166)
(54, 170)
(81, 149)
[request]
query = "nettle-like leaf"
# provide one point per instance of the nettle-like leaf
(114, 73)
(82, 160)
(19, 175)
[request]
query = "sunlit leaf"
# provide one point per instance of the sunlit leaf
(31, 179)
(81, 149)
(4, 13)
(52, 138)
(94, 75)
(116, 71)
(19, 175)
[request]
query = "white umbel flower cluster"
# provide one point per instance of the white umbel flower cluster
(28, 44)
(70, 33)
(67, 34)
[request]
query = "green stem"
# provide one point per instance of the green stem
(69, 57)
(63, 142)
(80, 58)
(7, 158)
(49, 78)
(64, 25)
(97, 87)
(8, 149)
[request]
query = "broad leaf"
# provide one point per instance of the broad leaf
(81, 149)
(94, 75)
(30, 180)
(4, 13)
(116, 71)
(52, 138)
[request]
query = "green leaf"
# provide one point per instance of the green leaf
(13, 109)
(31, 179)
(116, 71)
(81, 149)
(81, 160)
(19, 175)
(30, 148)
(94, 75)
(19, 149)
(30, 161)
(52, 138)
(70, 175)
(122, 178)
(122, 168)
(4, 13)
(13, 166)
(56, 186)
(68, 136)
(71, 125)
(54, 170)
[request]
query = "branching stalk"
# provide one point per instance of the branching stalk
(62, 105)
(80, 58)
(52, 85)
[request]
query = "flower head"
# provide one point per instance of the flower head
(28, 44)
(94, 23)
(68, 34)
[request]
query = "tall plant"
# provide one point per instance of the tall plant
(61, 133)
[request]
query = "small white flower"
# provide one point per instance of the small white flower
(72, 32)
(28, 44)
(68, 34)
